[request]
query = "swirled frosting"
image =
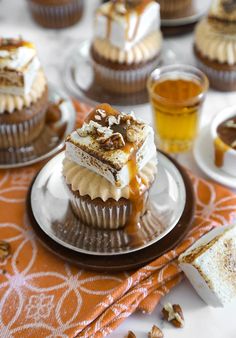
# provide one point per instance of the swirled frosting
(87, 182)
(144, 50)
(8, 103)
(214, 44)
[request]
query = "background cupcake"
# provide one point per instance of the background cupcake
(127, 44)
(23, 93)
(56, 13)
(174, 8)
(215, 45)
(109, 167)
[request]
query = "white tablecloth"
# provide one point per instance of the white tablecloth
(201, 320)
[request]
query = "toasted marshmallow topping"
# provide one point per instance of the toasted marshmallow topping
(18, 66)
(124, 25)
(210, 265)
(223, 10)
(106, 142)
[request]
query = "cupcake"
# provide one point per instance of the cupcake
(127, 44)
(174, 8)
(110, 164)
(56, 13)
(215, 45)
(23, 93)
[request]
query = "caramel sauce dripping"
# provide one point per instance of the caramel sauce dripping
(138, 8)
(9, 44)
(226, 136)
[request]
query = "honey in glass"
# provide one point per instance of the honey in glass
(176, 94)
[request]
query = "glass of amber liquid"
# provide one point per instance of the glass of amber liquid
(176, 94)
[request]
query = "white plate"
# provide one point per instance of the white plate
(204, 155)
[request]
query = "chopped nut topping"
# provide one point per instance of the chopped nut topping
(132, 134)
(113, 120)
(98, 117)
(173, 314)
(115, 141)
(131, 335)
(101, 112)
(4, 250)
(155, 332)
(229, 5)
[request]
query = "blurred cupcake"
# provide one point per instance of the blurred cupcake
(174, 8)
(23, 93)
(215, 45)
(56, 13)
(109, 167)
(127, 44)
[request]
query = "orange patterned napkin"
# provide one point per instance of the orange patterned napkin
(41, 295)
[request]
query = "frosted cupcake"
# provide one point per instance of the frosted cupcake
(174, 8)
(127, 44)
(56, 13)
(215, 45)
(109, 167)
(23, 93)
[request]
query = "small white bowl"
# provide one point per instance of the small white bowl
(229, 154)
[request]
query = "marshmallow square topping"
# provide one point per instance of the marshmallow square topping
(18, 66)
(124, 33)
(210, 266)
(107, 149)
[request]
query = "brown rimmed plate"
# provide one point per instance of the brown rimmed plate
(50, 141)
(115, 261)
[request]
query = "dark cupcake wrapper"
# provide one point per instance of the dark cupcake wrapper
(20, 134)
(224, 80)
(124, 81)
(56, 16)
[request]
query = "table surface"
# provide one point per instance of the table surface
(53, 47)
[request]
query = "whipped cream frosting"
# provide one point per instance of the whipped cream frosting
(214, 44)
(210, 265)
(135, 137)
(223, 10)
(125, 28)
(144, 50)
(87, 182)
(8, 103)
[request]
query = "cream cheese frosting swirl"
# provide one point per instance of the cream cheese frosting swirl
(8, 103)
(87, 182)
(143, 51)
(214, 44)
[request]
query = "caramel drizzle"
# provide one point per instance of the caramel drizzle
(138, 9)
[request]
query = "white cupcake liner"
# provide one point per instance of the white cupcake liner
(56, 16)
(219, 79)
(20, 134)
(170, 6)
(124, 81)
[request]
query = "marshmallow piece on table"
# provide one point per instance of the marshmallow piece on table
(125, 29)
(210, 266)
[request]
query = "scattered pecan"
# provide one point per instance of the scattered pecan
(173, 314)
(155, 332)
(115, 141)
(53, 112)
(132, 134)
(4, 250)
(229, 5)
(130, 335)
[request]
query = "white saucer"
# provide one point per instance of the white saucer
(203, 153)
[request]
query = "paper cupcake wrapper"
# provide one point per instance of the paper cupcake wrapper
(124, 81)
(20, 134)
(219, 79)
(170, 6)
(56, 16)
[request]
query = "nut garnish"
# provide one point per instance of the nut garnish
(4, 250)
(102, 112)
(155, 332)
(173, 314)
(130, 335)
(115, 141)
